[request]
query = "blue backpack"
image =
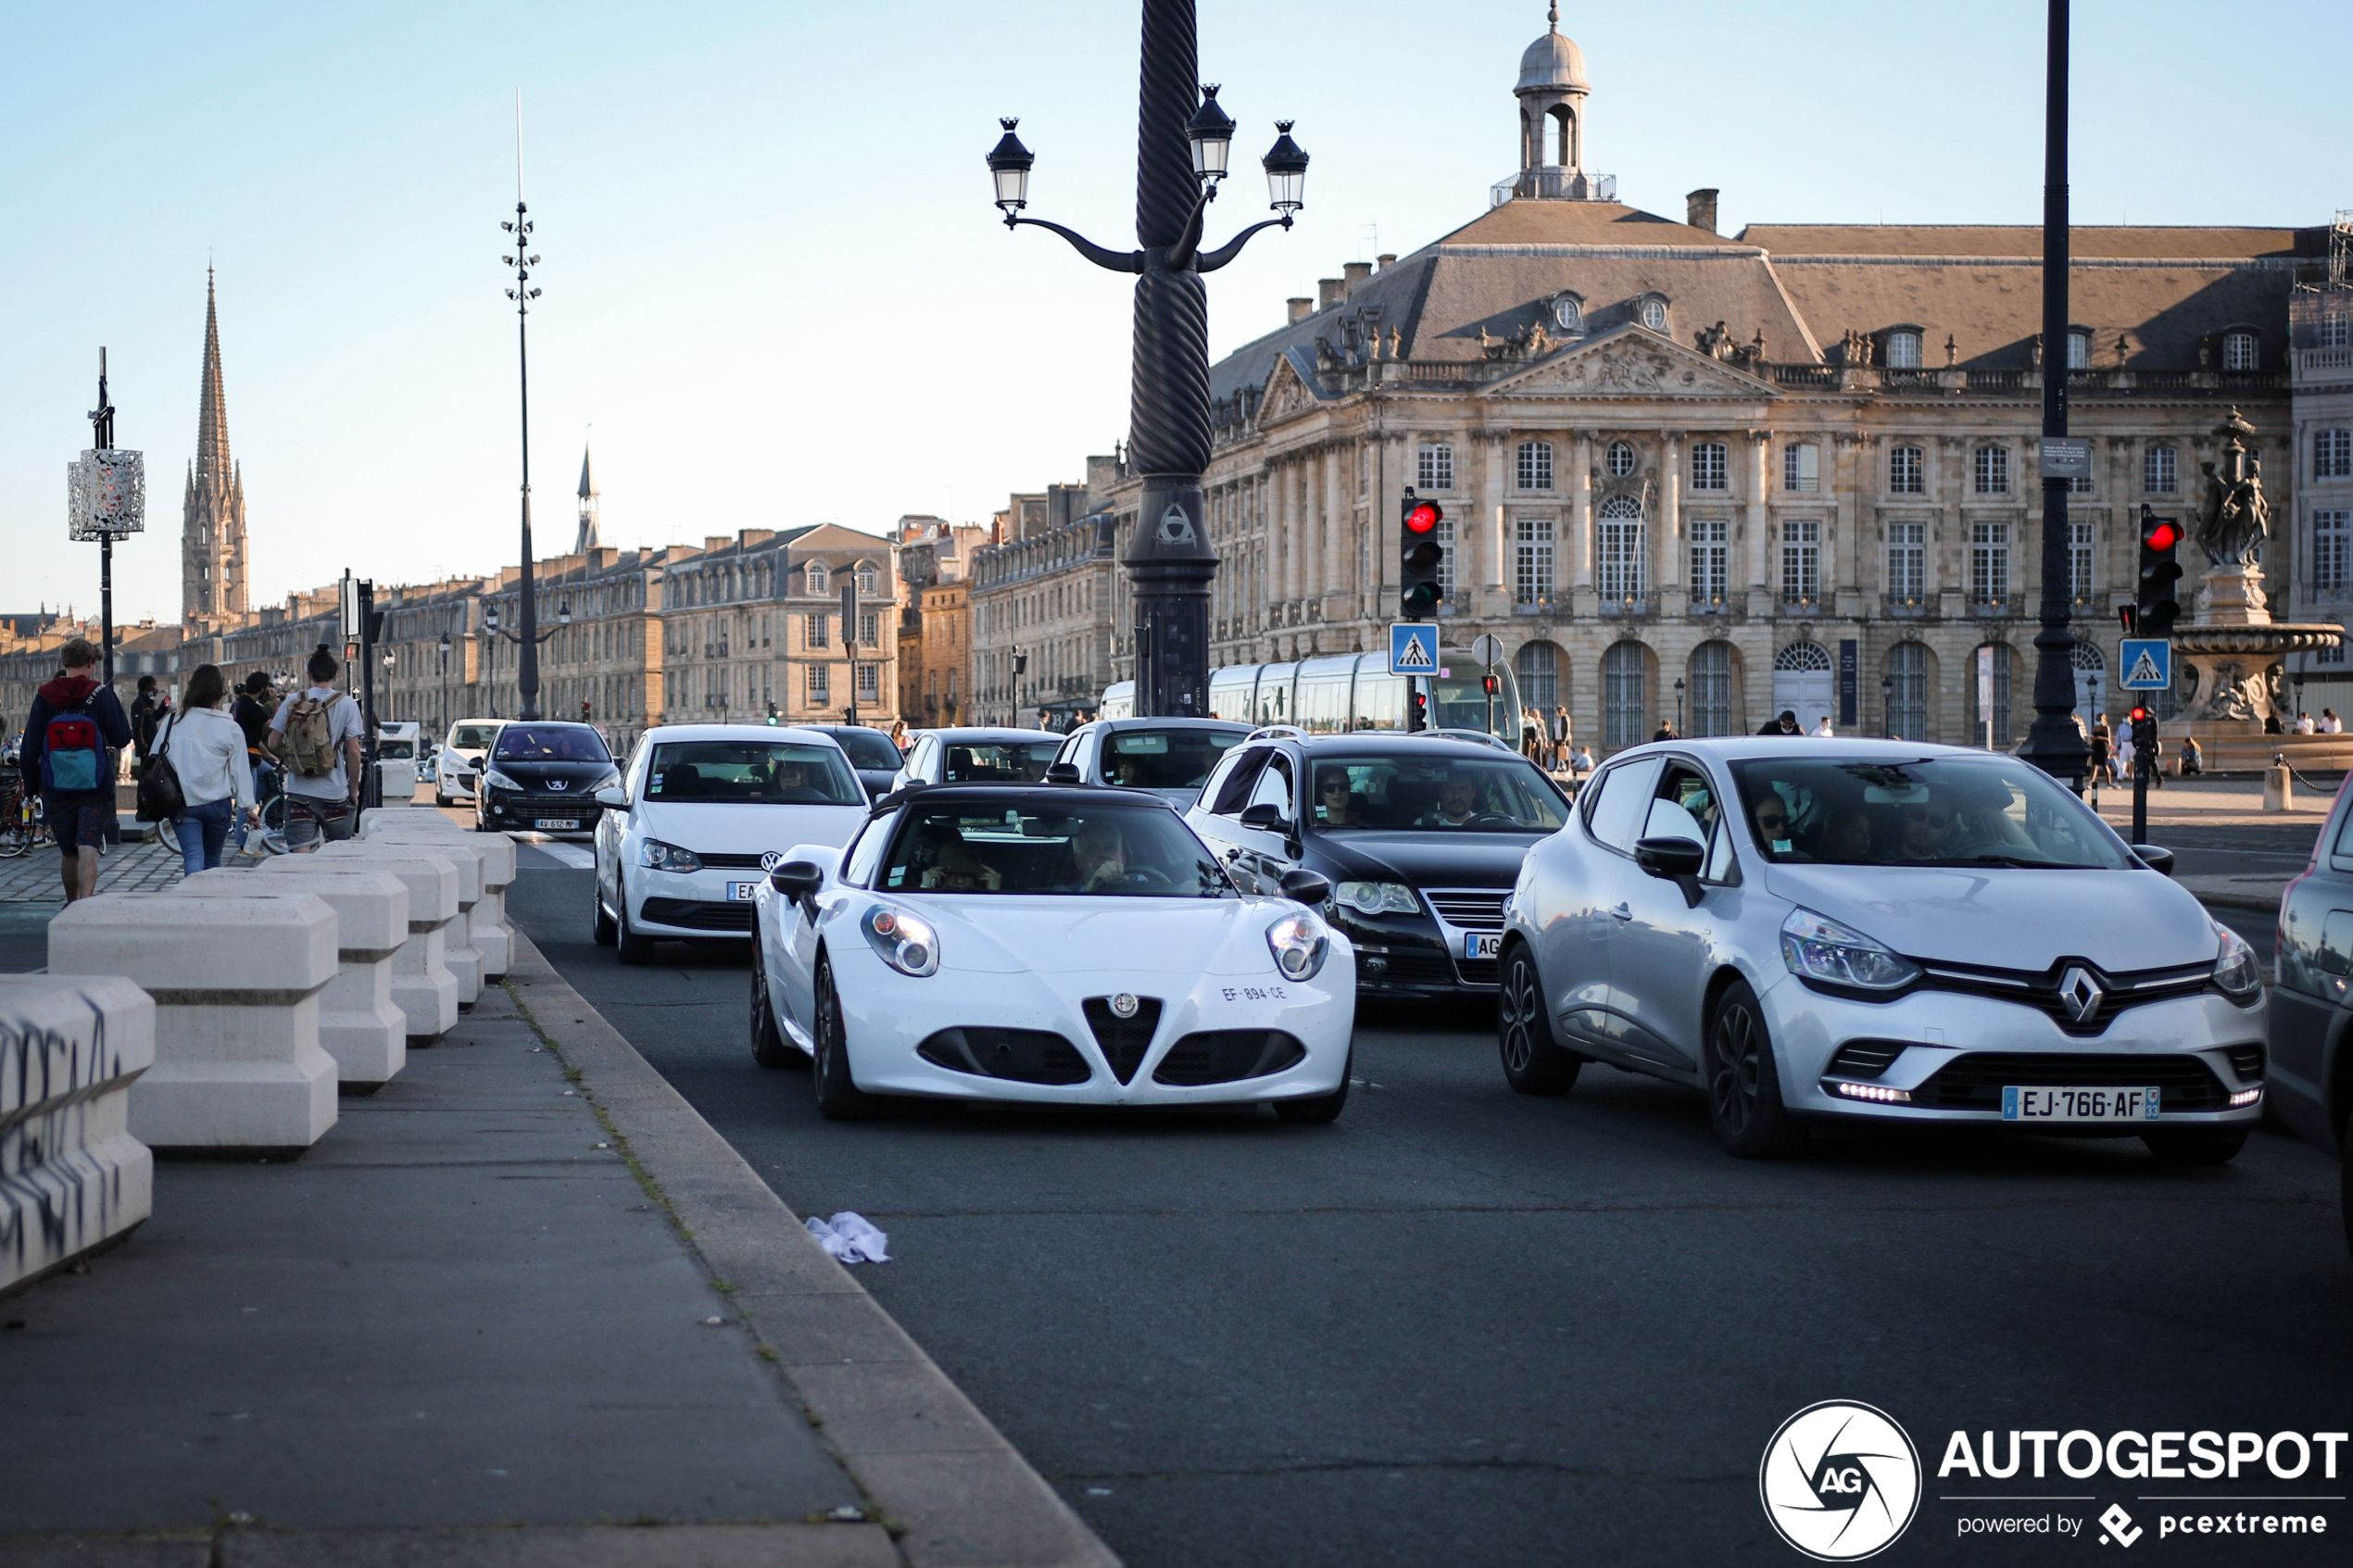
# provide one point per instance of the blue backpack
(72, 755)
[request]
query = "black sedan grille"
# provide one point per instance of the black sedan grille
(583, 807)
(1027, 1056)
(1124, 1040)
(1975, 1081)
(2042, 990)
(697, 914)
(1222, 1056)
(1470, 911)
(1479, 971)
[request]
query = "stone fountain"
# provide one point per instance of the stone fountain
(2228, 668)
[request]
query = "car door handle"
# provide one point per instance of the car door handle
(1622, 912)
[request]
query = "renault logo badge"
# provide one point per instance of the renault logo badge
(2079, 994)
(1123, 1004)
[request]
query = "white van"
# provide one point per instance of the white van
(397, 742)
(458, 762)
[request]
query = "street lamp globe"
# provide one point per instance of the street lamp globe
(1285, 172)
(563, 613)
(1009, 162)
(444, 645)
(1211, 132)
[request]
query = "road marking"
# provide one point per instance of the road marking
(579, 857)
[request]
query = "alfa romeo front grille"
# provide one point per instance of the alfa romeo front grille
(1222, 1056)
(1026, 1056)
(1124, 1040)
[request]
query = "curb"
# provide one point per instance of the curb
(952, 1488)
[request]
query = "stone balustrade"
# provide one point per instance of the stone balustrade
(71, 1176)
(422, 987)
(458, 953)
(358, 1025)
(236, 984)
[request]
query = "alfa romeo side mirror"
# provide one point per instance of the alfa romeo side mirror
(797, 879)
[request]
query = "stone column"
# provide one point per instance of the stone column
(236, 986)
(422, 987)
(1670, 516)
(1329, 532)
(72, 1175)
(1839, 554)
(1759, 487)
(358, 1025)
(1581, 514)
(1494, 525)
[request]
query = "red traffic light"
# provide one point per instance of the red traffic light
(1424, 517)
(2139, 714)
(2163, 535)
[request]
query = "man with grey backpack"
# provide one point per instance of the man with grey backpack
(316, 734)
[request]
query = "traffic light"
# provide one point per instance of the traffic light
(583, 713)
(1422, 556)
(2144, 724)
(772, 713)
(1420, 700)
(1490, 683)
(2154, 615)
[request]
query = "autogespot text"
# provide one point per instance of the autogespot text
(2154, 1456)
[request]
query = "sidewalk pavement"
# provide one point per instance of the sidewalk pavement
(127, 867)
(522, 1307)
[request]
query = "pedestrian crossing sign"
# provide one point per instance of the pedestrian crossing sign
(2148, 664)
(1413, 649)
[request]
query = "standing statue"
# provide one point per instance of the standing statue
(1715, 342)
(2235, 519)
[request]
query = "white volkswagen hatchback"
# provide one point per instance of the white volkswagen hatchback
(1059, 946)
(701, 811)
(1877, 930)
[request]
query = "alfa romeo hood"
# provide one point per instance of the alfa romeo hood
(1049, 934)
(2012, 918)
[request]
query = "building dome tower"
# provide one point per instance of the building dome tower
(1552, 92)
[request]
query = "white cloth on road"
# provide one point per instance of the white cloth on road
(850, 1239)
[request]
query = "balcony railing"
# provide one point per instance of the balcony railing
(1910, 607)
(2323, 364)
(1554, 183)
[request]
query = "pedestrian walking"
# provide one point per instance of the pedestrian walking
(317, 735)
(256, 702)
(2103, 746)
(899, 737)
(1665, 730)
(1531, 735)
(148, 712)
(1784, 725)
(72, 724)
(1562, 734)
(1826, 730)
(207, 749)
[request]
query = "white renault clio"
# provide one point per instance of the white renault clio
(702, 811)
(1877, 930)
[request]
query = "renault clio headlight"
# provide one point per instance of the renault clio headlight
(1300, 944)
(1816, 948)
(906, 941)
(1376, 897)
(2237, 969)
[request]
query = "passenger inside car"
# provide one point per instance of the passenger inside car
(955, 868)
(1338, 805)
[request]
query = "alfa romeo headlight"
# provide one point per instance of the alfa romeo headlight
(1376, 897)
(906, 941)
(1816, 948)
(2236, 970)
(660, 856)
(1300, 944)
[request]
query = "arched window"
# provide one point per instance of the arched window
(1621, 460)
(1712, 689)
(1621, 558)
(817, 578)
(1802, 683)
(1535, 465)
(1623, 668)
(1904, 351)
(2078, 351)
(1539, 682)
(869, 581)
(1568, 316)
(1908, 687)
(2240, 351)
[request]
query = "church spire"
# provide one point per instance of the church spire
(212, 529)
(587, 539)
(212, 409)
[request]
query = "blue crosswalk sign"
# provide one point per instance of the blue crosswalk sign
(1413, 649)
(2148, 664)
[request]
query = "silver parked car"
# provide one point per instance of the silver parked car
(1880, 931)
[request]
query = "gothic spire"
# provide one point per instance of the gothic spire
(212, 409)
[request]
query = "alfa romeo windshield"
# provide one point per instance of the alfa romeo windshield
(1939, 811)
(1085, 849)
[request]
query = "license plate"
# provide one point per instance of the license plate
(2027, 1104)
(1482, 943)
(741, 892)
(557, 824)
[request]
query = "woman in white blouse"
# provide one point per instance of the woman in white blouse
(208, 750)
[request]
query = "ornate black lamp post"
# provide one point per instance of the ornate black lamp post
(2053, 744)
(1182, 144)
(530, 637)
(523, 294)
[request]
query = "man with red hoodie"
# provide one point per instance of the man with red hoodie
(66, 761)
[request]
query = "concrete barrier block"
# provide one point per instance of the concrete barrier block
(405, 814)
(236, 984)
(487, 921)
(422, 986)
(359, 1024)
(72, 1175)
(460, 953)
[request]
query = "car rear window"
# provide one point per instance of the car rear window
(999, 761)
(473, 737)
(867, 748)
(1165, 759)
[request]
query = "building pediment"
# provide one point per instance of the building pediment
(1633, 362)
(1291, 390)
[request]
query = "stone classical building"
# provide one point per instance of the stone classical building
(754, 627)
(2321, 374)
(1045, 603)
(935, 627)
(1704, 478)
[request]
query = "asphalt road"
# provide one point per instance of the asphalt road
(1465, 1327)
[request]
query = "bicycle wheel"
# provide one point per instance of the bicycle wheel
(274, 826)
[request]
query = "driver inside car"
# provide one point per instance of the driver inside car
(1099, 855)
(1457, 802)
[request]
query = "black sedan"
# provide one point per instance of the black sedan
(544, 777)
(871, 756)
(1420, 837)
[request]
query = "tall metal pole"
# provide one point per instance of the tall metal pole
(1170, 563)
(102, 436)
(2053, 744)
(523, 294)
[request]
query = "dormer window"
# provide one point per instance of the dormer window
(2239, 351)
(1904, 349)
(1569, 315)
(817, 577)
(869, 581)
(1652, 312)
(2079, 349)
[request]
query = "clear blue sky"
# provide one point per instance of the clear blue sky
(774, 283)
